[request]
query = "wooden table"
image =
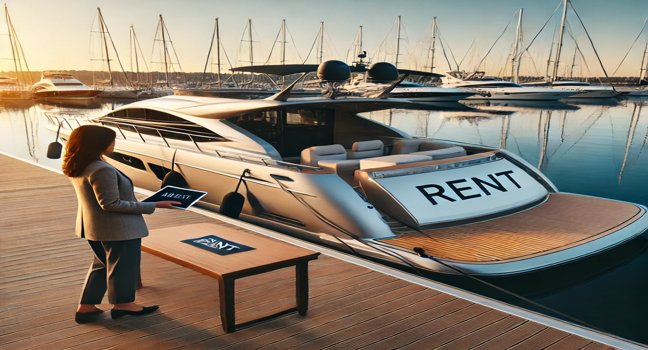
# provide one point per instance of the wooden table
(267, 255)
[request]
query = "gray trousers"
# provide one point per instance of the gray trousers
(116, 267)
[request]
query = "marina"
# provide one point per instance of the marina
(477, 183)
(605, 141)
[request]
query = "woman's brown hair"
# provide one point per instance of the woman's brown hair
(85, 145)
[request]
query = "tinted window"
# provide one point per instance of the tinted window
(151, 122)
(291, 130)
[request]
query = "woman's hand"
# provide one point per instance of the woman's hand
(167, 204)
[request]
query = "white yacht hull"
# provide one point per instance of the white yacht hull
(459, 191)
(591, 92)
(527, 94)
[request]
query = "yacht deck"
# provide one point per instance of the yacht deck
(560, 222)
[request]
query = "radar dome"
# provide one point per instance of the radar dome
(382, 72)
(335, 71)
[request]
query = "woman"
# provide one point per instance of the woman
(110, 218)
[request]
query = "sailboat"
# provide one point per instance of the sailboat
(414, 92)
(171, 77)
(585, 89)
(15, 88)
(642, 90)
(490, 88)
(108, 86)
(219, 88)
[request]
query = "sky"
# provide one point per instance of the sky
(56, 34)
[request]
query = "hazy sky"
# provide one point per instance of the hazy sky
(56, 34)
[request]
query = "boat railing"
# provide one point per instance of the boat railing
(69, 121)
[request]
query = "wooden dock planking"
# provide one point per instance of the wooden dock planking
(42, 266)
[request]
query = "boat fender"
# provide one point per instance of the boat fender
(54, 149)
(174, 178)
(232, 203)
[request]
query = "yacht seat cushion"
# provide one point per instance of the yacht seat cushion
(403, 146)
(366, 149)
(312, 155)
(443, 153)
(391, 160)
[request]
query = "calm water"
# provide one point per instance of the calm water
(597, 149)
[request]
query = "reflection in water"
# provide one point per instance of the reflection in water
(517, 105)
(631, 133)
(30, 134)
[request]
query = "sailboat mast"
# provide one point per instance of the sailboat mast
(11, 41)
(218, 59)
(211, 45)
(360, 39)
(17, 52)
(515, 60)
(644, 65)
(133, 41)
(398, 24)
(250, 37)
(573, 64)
(105, 44)
(560, 40)
(321, 50)
(433, 47)
(283, 41)
(164, 49)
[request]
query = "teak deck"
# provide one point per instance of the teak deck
(563, 221)
(42, 267)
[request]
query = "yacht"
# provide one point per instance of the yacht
(319, 169)
(585, 90)
(56, 86)
(414, 92)
(492, 89)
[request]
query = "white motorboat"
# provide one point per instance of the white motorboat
(489, 88)
(585, 90)
(413, 92)
(316, 168)
(56, 86)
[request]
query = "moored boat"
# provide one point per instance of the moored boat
(56, 86)
(492, 89)
(318, 169)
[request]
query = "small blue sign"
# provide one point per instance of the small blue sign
(217, 245)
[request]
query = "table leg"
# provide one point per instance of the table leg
(228, 317)
(302, 287)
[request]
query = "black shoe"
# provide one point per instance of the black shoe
(85, 317)
(145, 310)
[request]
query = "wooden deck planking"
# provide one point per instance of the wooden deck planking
(451, 333)
(484, 334)
(563, 221)
(42, 266)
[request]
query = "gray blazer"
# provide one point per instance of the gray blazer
(108, 209)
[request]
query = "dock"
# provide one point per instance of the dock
(353, 304)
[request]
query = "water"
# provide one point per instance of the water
(597, 149)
